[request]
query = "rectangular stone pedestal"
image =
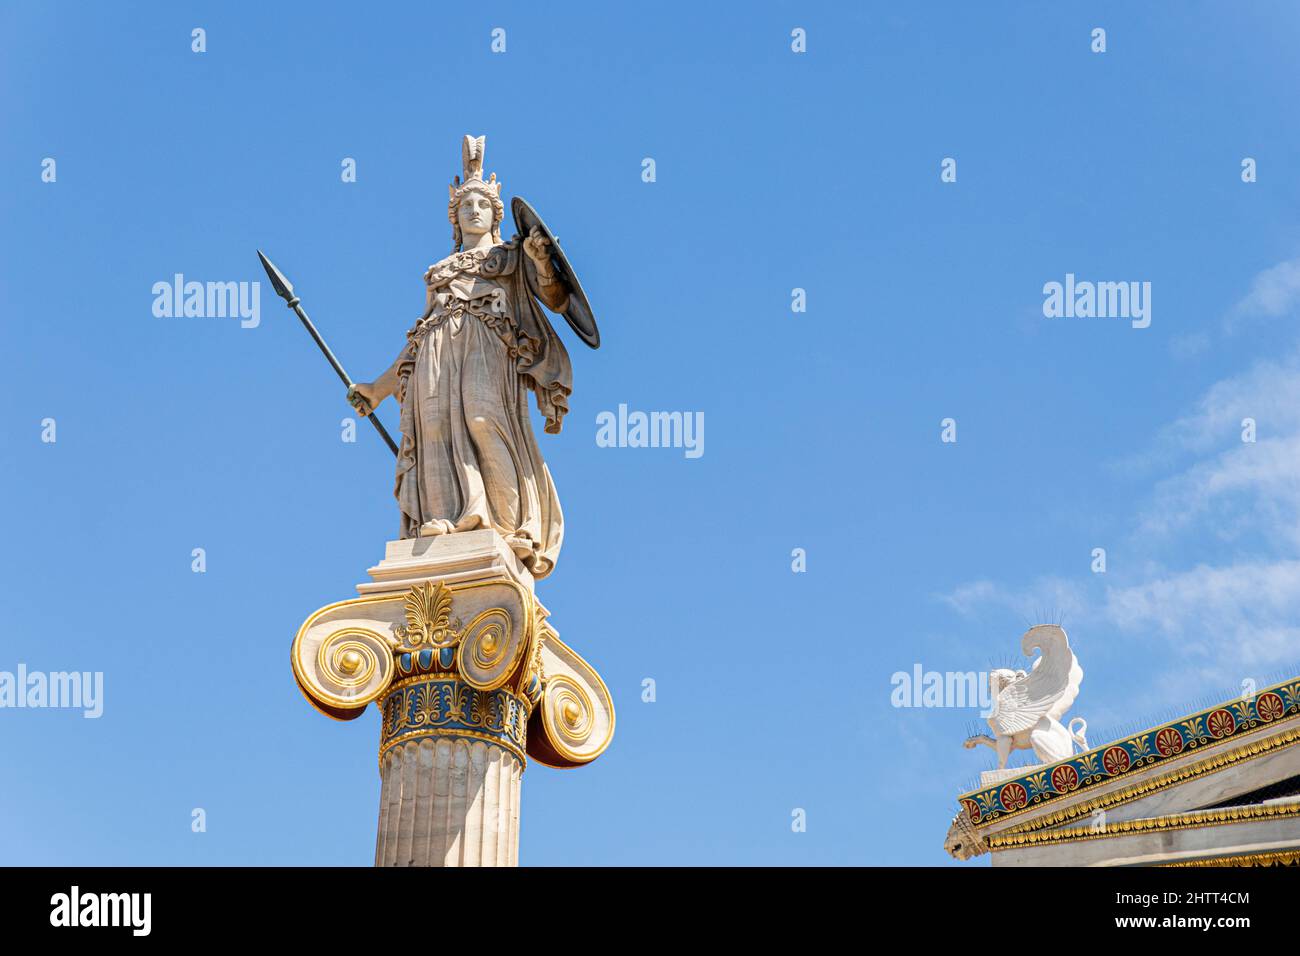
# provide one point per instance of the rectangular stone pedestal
(450, 558)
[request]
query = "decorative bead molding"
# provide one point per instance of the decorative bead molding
(1278, 858)
(1182, 821)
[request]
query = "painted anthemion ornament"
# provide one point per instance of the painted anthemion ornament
(448, 637)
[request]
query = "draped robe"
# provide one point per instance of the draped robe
(468, 456)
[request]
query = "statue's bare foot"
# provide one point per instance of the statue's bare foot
(435, 527)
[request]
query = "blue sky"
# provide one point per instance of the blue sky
(775, 171)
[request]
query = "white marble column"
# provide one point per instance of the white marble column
(451, 645)
(449, 801)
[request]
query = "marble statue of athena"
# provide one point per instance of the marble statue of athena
(468, 457)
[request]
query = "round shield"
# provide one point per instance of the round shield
(578, 312)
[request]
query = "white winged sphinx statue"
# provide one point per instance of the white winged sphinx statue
(1028, 706)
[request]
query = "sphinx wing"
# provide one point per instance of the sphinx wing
(1048, 690)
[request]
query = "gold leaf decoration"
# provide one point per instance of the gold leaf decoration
(428, 618)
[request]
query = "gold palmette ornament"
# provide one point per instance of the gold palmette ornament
(428, 619)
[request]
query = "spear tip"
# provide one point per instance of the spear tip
(283, 287)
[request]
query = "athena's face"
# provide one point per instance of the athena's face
(475, 215)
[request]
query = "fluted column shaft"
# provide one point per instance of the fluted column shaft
(449, 801)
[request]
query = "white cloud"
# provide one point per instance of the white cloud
(1273, 292)
(1232, 617)
(1269, 392)
(1049, 600)
(1254, 487)
(1213, 625)
(1217, 622)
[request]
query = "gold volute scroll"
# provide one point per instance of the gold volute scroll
(490, 650)
(343, 670)
(574, 721)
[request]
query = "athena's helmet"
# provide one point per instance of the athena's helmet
(471, 152)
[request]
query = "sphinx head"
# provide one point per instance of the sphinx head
(1000, 677)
